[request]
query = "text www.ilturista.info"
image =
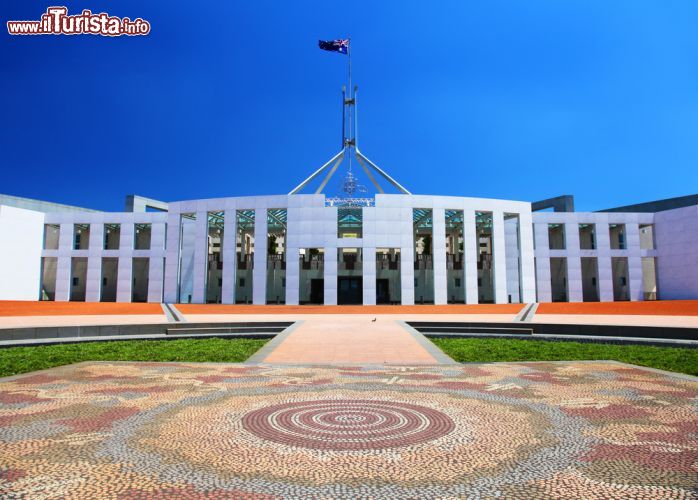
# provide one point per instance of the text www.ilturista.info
(56, 21)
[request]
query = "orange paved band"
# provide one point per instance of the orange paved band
(648, 308)
(46, 308)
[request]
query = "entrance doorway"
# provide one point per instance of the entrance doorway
(317, 291)
(349, 290)
(382, 291)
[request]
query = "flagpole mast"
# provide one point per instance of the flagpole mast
(349, 54)
(351, 96)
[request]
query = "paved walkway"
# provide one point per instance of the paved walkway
(350, 339)
(17, 314)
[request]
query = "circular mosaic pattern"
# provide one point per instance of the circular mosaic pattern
(348, 424)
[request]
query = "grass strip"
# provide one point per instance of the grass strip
(464, 350)
(15, 360)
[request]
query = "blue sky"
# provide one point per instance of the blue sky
(515, 100)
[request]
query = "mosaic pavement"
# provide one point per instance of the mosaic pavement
(524, 430)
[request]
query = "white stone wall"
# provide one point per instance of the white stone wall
(386, 225)
(676, 234)
(96, 252)
(21, 239)
(603, 252)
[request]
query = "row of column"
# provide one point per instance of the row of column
(527, 272)
(95, 253)
(603, 253)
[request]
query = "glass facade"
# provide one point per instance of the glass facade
(49, 266)
(276, 255)
(349, 222)
(388, 279)
(245, 256)
(423, 231)
(142, 235)
(455, 253)
(311, 281)
(214, 257)
(485, 260)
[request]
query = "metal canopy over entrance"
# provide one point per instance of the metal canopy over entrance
(350, 148)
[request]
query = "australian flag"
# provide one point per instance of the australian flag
(341, 46)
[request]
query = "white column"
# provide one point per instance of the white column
(470, 249)
(439, 255)
(63, 263)
(513, 258)
(632, 231)
(542, 263)
(407, 274)
(292, 276)
(259, 273)
(124, 280)
(172, 257)
(229, 257)
(526, 251)
(543, 275)
(330, 276)
(93, 285)
(500, 263)
(198, 295)
(574, 262)
(369, 275)
(603, 244)
(156, 273)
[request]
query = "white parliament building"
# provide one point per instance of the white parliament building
(353, 248)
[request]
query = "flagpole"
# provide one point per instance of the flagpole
(351, 92)
(351, 95)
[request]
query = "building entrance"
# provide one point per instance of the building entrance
(349, 290)
(317, 291)
(382, 291)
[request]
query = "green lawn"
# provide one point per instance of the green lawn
(14, 360)
(676, 359)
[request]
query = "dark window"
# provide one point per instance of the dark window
(104, 281)
(76, 281)
(220, 281)
(593, 281)
(457, 282)
(622, 281)
(283, 282)
(242, 281)
(415, 282)
(479, 282)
